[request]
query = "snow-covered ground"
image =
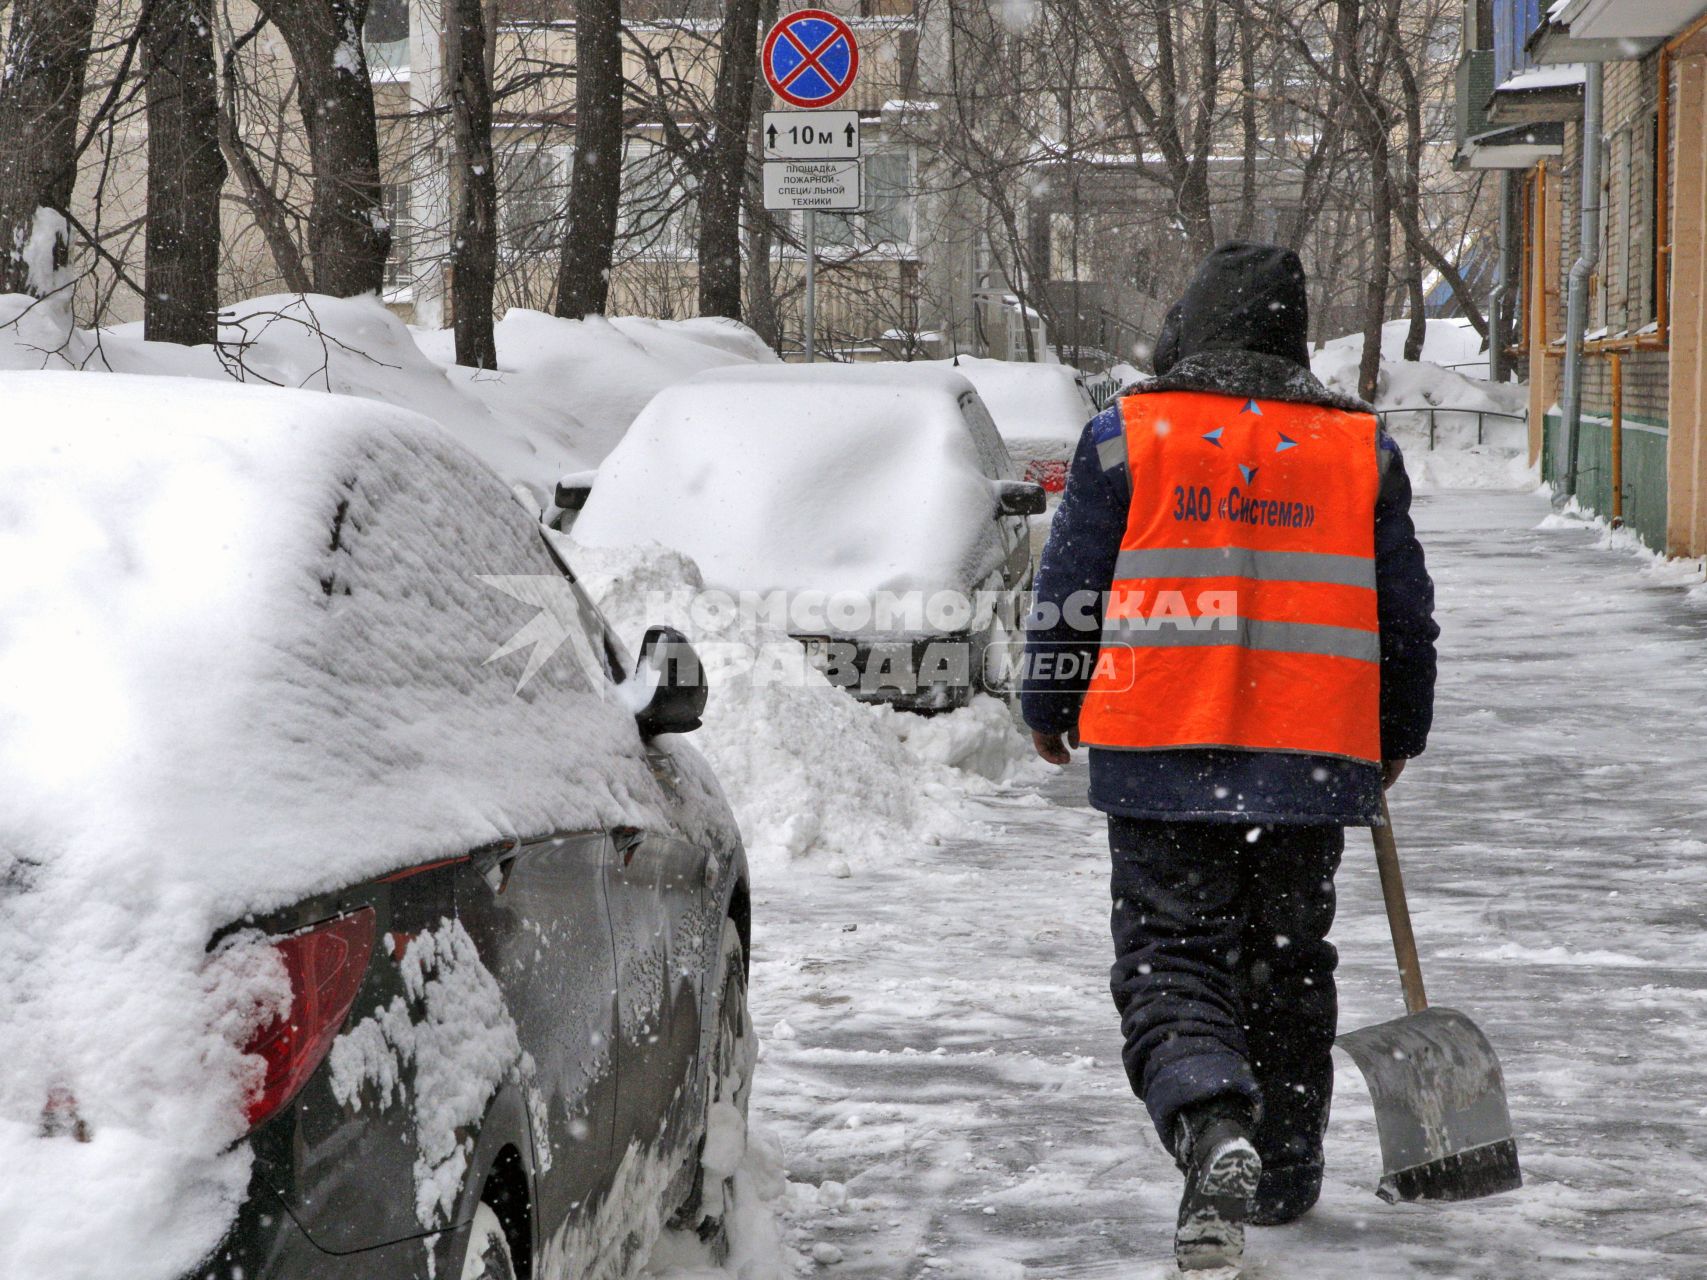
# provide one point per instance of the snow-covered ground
(940, 1068)
(940, 1092)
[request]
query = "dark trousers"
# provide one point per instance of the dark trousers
(1223, 975)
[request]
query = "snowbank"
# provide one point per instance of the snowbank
(602, 371)
(856, 479)
(1409, 385)
(1467, 468)
(563, 395)
(809, 771)
(224, 608)
(1457, 461)
(1452, 343)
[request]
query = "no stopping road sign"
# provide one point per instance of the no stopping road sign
(811, 58)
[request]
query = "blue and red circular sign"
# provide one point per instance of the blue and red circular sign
(811, 58)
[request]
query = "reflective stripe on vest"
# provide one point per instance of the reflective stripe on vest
(1243, 610)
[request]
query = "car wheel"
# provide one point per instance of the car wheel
(488, 1256)
(728, 1083)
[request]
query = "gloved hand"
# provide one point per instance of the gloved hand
(1055, 747)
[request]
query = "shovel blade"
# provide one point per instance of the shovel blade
(1440, 1107)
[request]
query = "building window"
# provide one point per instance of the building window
(532, 195)
(394, 203)
(886, 220)
(1652, 274)
(385, 37)
(656, 216)
(889, 198)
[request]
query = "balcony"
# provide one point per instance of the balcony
(1483, 144)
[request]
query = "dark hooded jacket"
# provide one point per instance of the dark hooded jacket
(1240, 330)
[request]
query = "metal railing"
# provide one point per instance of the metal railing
(1433, 412)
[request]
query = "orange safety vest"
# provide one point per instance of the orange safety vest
(1242, 612)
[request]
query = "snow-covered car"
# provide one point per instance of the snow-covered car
(361, 913)
(1039, 409)
(876, 503)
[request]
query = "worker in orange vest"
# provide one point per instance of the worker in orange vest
(1233, 614)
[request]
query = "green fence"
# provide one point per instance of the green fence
(1644, 470)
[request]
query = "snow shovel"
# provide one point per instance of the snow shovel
(1439, 1096)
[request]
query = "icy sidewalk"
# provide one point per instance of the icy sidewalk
(942, 1066)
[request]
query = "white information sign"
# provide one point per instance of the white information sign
(811, 135)
(829, 186)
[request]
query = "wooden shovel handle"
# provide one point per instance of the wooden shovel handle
(1398, 913)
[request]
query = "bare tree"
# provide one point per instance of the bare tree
(1172, 107)
(185, 173)
(41, 92)
(348, 234)
(272, 215)
(724, 172)
(595, 184)
(474, 243)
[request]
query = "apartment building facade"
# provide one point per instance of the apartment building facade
(1598, 108)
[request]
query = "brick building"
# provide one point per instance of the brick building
(1612, 93)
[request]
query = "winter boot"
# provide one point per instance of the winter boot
(1213, 1146)
(1286, 1193)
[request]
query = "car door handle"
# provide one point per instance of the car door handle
(627, 840)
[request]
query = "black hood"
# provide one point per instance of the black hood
(1166, 354)
(1243, 297)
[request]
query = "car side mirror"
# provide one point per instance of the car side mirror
(677, 679)
(1020, 498)
(573, 490)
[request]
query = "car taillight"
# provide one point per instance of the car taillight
(325, 964)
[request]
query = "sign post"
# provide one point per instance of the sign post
(811, 285)
(811, 155)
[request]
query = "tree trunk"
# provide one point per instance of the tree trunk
(41, 91)
(1196, 201)
(1416, 302)
(725, 169)
(1410, 199)
(185, 174)
(1248, 121)
(763, 313)
(1381, 263)
(595, 186)
(474, 242)
(348, 235)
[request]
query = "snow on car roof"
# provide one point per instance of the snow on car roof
(244, 658)
(1028, 401)
(806, 478)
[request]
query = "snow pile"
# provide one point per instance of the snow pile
(1457, 460)
(562, 396)
(1040, 409)
(1452, 343)
(757, 1250)
(1474, 467)
(221, 606)
(856, 479)
(1658, 569)
(601, 371)
(809, 771)
(1404, 384)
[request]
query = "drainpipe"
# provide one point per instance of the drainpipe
(1617, 362)
(1588, 258)
(1497, 324)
